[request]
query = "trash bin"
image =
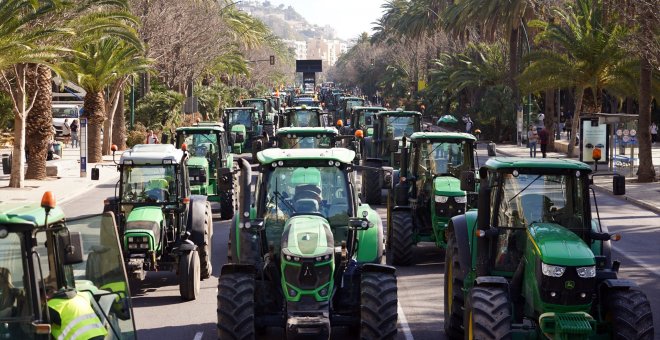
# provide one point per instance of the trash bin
(57, 149)
(491, 149)
(6, 164)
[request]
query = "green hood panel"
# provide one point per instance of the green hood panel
(307, 236)
(152, 214)
(199, 162)
(27, 213)
(238, 129)
(447, 186)
(560, 246)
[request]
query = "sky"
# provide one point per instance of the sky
(349, 18)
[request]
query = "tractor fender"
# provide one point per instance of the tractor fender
(230, 268)
(619, 284)
(371, 240)
(497, 281)
(196, 219)
(459, 227)
(377, 268)
(186, 246)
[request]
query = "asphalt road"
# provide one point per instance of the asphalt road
(161, 314)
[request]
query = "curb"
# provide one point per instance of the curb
(634, 201)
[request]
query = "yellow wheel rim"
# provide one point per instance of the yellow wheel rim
(470, 331)
(450, 286)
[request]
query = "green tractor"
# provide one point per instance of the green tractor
(268, 109)
(345, 106)
(163, 226)
(532, 263)
(426, 191)
(307, 255)
(244, 123)
(362, 118)
(303, 116)
(382, 150)
(44, 263)
(210, 165)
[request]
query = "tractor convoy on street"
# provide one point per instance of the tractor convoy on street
(307, 251)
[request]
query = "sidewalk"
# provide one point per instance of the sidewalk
(66, 185)
(645, 195)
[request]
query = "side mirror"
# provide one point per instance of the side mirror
(619, 185)
(359, 223)
(95, 174)
(468, 181)
(71, 247)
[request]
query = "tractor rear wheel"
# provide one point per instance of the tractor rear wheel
(454, 300)
(229, 199)
(401, 249)
(489, 314)
(629, 311)
(206, 267)
(372, 183)
(378, 306)
(189, 273)
(236, 306)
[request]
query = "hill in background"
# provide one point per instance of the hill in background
(285, 22)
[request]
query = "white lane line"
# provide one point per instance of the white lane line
(404, 323)
(198, 336)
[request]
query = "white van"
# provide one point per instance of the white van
(62, 112)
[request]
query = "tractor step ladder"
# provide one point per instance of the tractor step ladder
(567, 325)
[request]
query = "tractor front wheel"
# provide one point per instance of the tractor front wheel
(372, 183)
(189, 273)
(229, 198)
(205, 250)
(401, 247)
(236, 306)
(630, 314)
(488, 314)
(454, 300)
(378, 306)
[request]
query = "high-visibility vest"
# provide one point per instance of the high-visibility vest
(79, 321)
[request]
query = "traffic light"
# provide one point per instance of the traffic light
(272, 60)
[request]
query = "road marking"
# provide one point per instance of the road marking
(198, 336)
(404, 323)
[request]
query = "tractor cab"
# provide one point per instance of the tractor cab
(306, 138)
(362, 118)
(533, 249)
(346, 105)
(244, 124)
(304, 116)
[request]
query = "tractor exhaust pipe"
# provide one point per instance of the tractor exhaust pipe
(246, 188)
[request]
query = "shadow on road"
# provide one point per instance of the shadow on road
(207, 330)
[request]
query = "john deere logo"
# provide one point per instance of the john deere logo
(569, 284)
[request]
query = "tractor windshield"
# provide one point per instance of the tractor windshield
(201, 144)
(297, 190)
(352, 103)
(440, 157)
(148, 184)
(400, 126)
(533, 198)
(258, 105)
(366, 118)
(305, 142)
(240, 117)
(15, 297)
(304, 118)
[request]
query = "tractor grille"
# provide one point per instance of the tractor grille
(449, 208)
(307, 276)
(569, 289)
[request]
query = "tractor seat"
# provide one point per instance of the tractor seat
(306, 205)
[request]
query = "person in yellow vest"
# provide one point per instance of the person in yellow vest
(72, 317)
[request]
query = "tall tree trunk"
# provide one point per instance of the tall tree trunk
(119, 125)
(110, 109)
(550, 117)
(39, 124)
(94, 112)
(646, 172)
(579, 94)
(513, 63)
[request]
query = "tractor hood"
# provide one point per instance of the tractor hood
(447, 186)
(238, 129)
(198, 162)
(307, 236)
(559, 246)
(146, 214)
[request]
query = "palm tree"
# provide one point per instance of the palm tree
(591, 58)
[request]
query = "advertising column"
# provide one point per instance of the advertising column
(83, 147)
(593, 136)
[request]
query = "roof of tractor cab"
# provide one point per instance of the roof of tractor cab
(27, 213)
(399, 113)
(497, 163)
(352, 98)
(336, 154)
(240, 108)
(443, 136)
(303, 107)
(255, 100)
(203, 126)
(307, 130)
(152, 154)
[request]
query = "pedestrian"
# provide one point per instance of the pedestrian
(74, 133)
(654, 133)
(151, 138)
(66, 131)
(568, 127)
(468, 123)
(532, 140)
(541, 118)
(543, 139)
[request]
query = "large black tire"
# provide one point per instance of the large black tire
(205, 251)
(229, 199)
(232, 257)
(378, 306)
(489, 314)
(454, 300)
(372, 183)
(629, 311)
(401, 247)
(236, 306)
(189, 273)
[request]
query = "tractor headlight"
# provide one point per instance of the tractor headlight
(132, 246)
(586, 272)
(460, 199)
(441, 199)
(552, 271)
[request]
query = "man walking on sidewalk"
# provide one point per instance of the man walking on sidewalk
(543, 137)
(532, 139)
